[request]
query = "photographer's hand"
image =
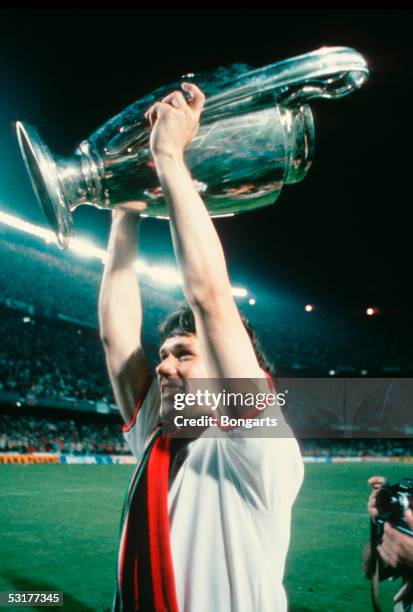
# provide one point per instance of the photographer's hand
(376, 482)
(396, 548)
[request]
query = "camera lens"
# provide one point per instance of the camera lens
(387, 504)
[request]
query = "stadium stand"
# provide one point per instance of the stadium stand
(33, 434)
(87, 435)
(48, 358)
(352, 447)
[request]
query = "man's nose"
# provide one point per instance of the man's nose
(167, 367)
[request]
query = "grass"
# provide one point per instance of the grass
(59, 529)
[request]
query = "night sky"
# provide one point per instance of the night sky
(343, 235)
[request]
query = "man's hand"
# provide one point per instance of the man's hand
(396, 548)
(174, 121)
(376, 482)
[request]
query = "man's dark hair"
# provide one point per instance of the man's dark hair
(181, 322)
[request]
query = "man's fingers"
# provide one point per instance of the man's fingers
(197, 98)
(154, 112)
(176, 99)
(148, 113)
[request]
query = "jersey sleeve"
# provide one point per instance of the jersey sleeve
(144, 419)
(266, 463)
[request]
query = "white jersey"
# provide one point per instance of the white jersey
(230, 511)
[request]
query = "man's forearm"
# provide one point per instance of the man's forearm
(197, 245)
(120, 311)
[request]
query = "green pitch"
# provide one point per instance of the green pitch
(59, 528)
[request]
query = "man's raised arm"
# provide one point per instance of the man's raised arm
(224, 341)
(120, 315)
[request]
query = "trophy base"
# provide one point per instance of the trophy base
(44, 177)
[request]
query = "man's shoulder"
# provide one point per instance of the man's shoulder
(146, 417)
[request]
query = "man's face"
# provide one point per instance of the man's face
(180, 361)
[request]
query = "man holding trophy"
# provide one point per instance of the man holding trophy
(206, 521)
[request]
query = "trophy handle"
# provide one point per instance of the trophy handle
(329, 72)
(42, 169)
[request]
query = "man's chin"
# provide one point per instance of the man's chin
(168, 411)
(170, 389)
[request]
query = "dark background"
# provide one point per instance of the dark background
(341, 238)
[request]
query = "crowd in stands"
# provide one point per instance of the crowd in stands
(26, 434)
(353, 447)
(44, 358)
(23, 433)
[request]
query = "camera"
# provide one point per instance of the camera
(391, 502)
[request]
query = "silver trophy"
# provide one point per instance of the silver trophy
(256, 134)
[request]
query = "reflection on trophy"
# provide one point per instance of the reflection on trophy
(256, 135)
